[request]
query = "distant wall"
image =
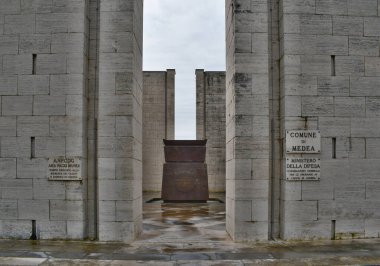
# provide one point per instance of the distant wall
(158, 124)
(211, 124)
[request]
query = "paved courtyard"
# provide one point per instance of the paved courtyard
(188, 234)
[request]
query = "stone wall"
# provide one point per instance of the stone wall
(211, 124)
(43, 88)
(158, 124)
(330, 78)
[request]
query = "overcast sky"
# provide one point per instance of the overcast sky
(184, 35)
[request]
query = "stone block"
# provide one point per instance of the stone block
(365, 169)
(372, 190)
(321, 190)
(291, 64)
(349, 190)
(115, 146)
(76, 63)
(33, 84)
(333, 86)
(115, 62)
(45, 189)
(125, 210)
(300, 210)
(260, 43)
(372, 26)
(116, 42)
(251, 22)
(331, 7)
(298, 6)
(315, 65)
(297, 44)
(372, 66)
(24, 23)
(7, 168)
(306, 230)
(332, 45)
(373, 107)
(317, 106)
(348, 25)
(51, 229)
(291, 190)
(116, 105)
(362, 7)
(315, 24)
(69, 126)
(300, 85)
(60, 22)
(349, 229)
(36, 6)
(291, 105)
(50, 146)
(51, 64)
(75, 105)
(260, 210)
(248, 231)
(250, 63)
(116, 231)
(8, 44)
(372, 148)
(357, 148)
(35, 43)
(252, 105)
(349, 65)
(116, 5)
(16, 188)
(17, 64)
(15, 229)
(15, 147)
(372, 228)
(66, 84)
(49, 105)
(33, 126)
(107, 211)
(8, 209)
(365, 46)
(31, 168)
(68, 6)
(9, 6)
(75, 230)
(116, 21)
(350, 106)
(364, 86)
(68, 43)
(8, 85)
(335, 126)
(33, 210)
(17, 105)
(7, 126)
(116, 189)
(243, 42)
(75, 191)
(251, 189)
(66, 210)
(76, 146)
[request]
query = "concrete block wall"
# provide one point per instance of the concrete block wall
(247, 119)
(158, 124)
(119, 123)
(43, 88)
(211, 124)
(330, 79)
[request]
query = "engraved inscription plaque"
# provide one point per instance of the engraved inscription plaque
(303, 141)
(65, 169)
(298, 169)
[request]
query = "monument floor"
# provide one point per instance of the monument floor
(188, 234)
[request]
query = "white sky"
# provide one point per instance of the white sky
(184, 35)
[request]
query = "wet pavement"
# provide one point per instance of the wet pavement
(188, 234)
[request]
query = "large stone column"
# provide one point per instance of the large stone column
(120, 120)
(247, 120)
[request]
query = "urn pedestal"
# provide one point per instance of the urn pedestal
(185, 171)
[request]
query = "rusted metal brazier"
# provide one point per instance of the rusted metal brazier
(185, 171)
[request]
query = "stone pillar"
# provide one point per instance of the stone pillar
(170, 104)
(120, 120)
(247, 120)
(211, 124)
